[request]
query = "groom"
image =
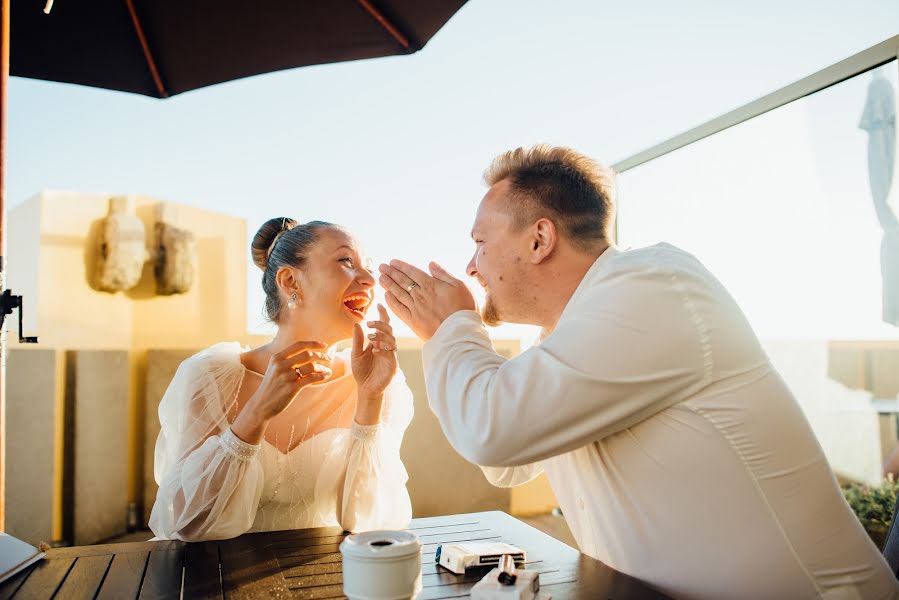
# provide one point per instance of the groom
(676, 451)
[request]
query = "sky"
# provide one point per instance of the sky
(394, 148)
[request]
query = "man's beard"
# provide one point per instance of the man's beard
(490, 314)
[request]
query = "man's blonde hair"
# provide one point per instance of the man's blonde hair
(570, 188)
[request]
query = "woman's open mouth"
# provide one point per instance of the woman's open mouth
(357, 304)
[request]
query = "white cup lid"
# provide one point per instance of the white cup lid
(380, 544)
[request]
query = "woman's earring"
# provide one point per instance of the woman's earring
(292, 301)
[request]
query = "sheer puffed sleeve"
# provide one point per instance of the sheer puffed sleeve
(209, 480)
(363, 471)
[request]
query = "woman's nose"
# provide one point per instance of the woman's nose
(366, 278)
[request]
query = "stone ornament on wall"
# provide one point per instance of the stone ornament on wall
(122, 248)
(176, 253)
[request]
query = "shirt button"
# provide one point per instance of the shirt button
(580, 503)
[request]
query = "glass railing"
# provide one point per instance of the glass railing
(793, 204)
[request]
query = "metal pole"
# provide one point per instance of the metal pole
(4, 81)
(836, 73)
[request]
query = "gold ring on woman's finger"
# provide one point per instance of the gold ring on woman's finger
(411, 287)
(298, 372)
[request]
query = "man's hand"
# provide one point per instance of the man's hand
(423, 301)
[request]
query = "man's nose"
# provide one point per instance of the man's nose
(471, 269)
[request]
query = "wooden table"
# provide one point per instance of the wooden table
(302, 564)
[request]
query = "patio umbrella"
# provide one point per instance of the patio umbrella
(879, 120)
(165, 47)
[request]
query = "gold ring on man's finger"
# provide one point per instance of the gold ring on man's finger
(411, 287)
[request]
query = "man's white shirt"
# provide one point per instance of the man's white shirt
(677, 453)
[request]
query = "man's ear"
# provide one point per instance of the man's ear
(288, 280)
(543, 240)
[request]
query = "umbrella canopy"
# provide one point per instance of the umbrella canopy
(165, 47)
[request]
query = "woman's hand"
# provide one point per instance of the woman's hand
(373, 367)
(289, 371)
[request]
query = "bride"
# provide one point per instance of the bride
(291, 434)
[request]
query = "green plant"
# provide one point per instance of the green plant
(873, 505)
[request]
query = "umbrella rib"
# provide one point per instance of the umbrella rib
(151, 63)
(386, 24)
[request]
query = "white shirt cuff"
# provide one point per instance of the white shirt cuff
(458, 318)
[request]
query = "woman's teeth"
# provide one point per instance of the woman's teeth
(356, 304)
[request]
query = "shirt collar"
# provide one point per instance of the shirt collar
(593, 273)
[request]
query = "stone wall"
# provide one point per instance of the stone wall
(34, 459)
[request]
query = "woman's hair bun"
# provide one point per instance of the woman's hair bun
(265, 238)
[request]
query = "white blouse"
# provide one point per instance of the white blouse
(676, 451)
(330, 470)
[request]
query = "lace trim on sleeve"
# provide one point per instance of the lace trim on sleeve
(238, 448)
(365, 432)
